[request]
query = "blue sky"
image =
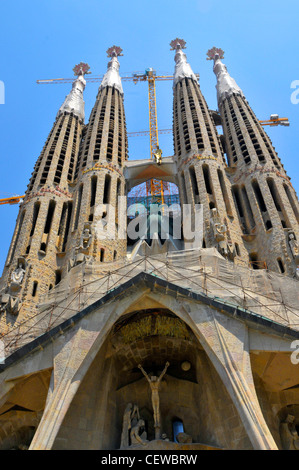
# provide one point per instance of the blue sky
(45, 39)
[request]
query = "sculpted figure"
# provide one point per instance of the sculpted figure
(294, 246)
(289, 435)
(158, 156)
(135, 433)
(154, 383)
(85, 239)
(17, 275)
(218, 228)
(220, 232)
(131, 415)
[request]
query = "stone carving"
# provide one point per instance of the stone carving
(10, 304)
(220, 233)
(17, 275)
(219, 229)
(86, 237)
(289, 435)
(154, 383)
(130, 419)
(135, 436)
(83, 248)
(294, 246)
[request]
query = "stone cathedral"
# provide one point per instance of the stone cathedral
(153, 343)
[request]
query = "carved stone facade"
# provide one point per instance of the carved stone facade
(109, 345)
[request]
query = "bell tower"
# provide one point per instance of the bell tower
(35, 259)
(202, 168)
(99, 180)
(267, 204)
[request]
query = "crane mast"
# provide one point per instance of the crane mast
(154, 188)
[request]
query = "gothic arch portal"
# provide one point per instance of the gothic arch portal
(191, 390)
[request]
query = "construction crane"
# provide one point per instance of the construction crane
(154, 188)
(274, 120)
(11, 200)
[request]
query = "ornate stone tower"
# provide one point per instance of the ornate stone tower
(201, 163)
(168, 347)
(99, 180)
(267, 204)
(36, 255)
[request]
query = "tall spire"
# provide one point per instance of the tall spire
(74, 100)
(182, 67)
(226, 85)
(112, 77)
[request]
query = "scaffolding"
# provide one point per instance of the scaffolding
(262, 293)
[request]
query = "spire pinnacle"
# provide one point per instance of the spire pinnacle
(177, 43)
(112, 77)
(226, 85)
(214, 53)
(182, 67)
(74, 100)
(114, 51)
(81, 69)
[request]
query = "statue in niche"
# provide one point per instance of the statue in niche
(130, 419)
(18, 274)
(219, 229)
(154, 383)
(135, 436)
(288, 433)
(294, 246)
(86, 237)
(219, 232)
(82, 250)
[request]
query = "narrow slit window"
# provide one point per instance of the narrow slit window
(184, 190)
(224, 193)
(291, 201)
(280, 265)
(17, 236)
(49, 219)
(194, 184)
(93, 183)
(79, 200)
(67, 227)
(35, 215)
(259, 196)
(34, 288)
(57, 277)
(107, 185)
(207, 178)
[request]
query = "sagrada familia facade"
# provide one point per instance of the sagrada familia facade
(152, 343)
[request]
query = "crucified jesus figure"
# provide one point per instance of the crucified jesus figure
(154, 383)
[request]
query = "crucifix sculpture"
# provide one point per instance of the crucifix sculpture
(154, 383)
